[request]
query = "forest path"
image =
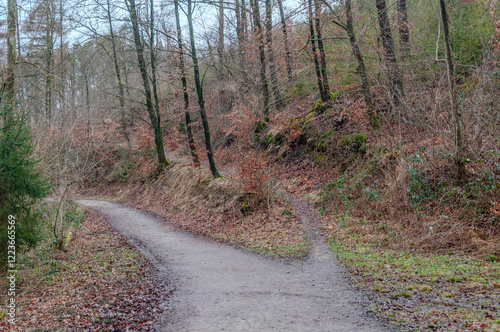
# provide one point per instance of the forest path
(318, 249)
(222, 288)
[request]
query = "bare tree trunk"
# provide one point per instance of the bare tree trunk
(315, 54)
(244, 23)
(404, 31)
(285, 37)
(121, 93)
(324, 72)
(262, 54)
(199, 91)
(272, 68)
(49, 38)
(189, 130)
(19, 78)
(394, 75)
(63, 71)
(220, 55)
(73, 91)
(48, 87)
(457, 128)
(152, 56)
(239, 26)
(361, 69)
(240, 34)
(87, 100)
(126, 84)
(11, 54)
(153, 114)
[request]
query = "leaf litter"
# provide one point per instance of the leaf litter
(100, 284)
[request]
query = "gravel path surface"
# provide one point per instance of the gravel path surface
(221, 288)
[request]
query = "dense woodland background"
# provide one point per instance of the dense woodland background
(379, 111)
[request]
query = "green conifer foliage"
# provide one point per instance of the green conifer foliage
(21, 185)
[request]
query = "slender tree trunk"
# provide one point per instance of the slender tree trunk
(19, 77)
(87, 100)
(361, 69)
(404, 31)
(73, 89)
(270, 51)
(262, 54)
(189, 130)
(11, 54)
(152, 56)
(125, 70)
(288, 60)
(244, 22)
(394, 75)
(49, 38)
(324, 72)
(220, 56)
(48, 87)
(121, 93)
(63, 71)
(153, 115)
(199, 91)
(239, 25)
(240, 34)
(457, 128)
(315, 54)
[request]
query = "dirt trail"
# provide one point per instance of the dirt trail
(222, 288)
(318, 250)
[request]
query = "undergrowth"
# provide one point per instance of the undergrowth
(424, 204)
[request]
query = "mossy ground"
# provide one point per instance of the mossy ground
(422, 292)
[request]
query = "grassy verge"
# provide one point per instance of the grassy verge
(298, 250)
(99, 283)
(425, 292)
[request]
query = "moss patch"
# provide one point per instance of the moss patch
(425, 291)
